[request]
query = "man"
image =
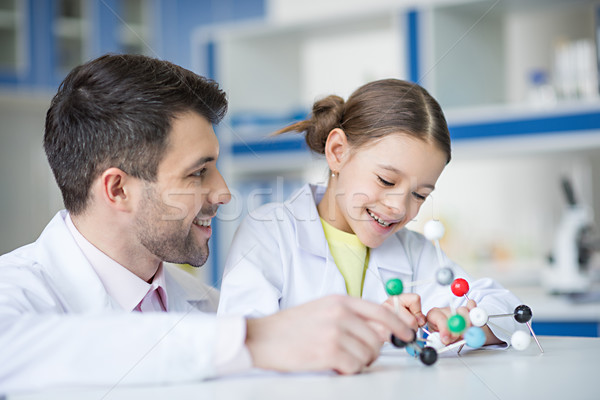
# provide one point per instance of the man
(131, 144)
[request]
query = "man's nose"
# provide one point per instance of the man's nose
(220, 194)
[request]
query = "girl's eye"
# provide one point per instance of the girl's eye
(418, 196)
(384, 182)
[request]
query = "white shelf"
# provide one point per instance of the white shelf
(475, 57)
(70, 28)
(135, 33)
(8, 19)
(525, 129)
(11, 36)
(484, 52)
(267, 67)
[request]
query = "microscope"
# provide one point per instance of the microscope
(568, 271)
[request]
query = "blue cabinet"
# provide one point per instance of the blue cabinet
(561, 328)
(41, 40)
(52, 36)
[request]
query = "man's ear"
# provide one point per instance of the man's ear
(336, 148)
(117, 189)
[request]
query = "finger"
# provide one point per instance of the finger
(408, 318)
(389, 304)
(412, 302)
(364, 331)
(360, 341)
(374, 312)
(383, 333)
(400, 306)
(471, 304)
(464, 312)
(356, 341)
(437, 319)
(445, 334)
(453, 336)
(346, 363)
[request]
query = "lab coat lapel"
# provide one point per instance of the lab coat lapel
(177, 299)
(309, 231)
(311, 238)
(390, 260)
(69, 270)
(186, 292)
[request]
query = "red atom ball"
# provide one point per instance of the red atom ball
(460, 287)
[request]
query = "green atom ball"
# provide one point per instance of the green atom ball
(394, 287)
(456, 324)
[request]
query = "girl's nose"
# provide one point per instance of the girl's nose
(396, 202)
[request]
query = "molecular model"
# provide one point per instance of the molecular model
(427, 349)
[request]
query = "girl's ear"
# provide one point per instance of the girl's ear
(335, 149)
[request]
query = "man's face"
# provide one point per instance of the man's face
(173, 218)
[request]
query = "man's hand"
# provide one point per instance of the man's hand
(408, 308)
(339, 333)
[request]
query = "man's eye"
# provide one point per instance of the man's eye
(385, 183)
(200, 173)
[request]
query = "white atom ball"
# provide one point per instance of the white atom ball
(478, 317)
(434, 340)
(520, 340)
(434, 230)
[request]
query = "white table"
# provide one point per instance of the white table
(568, 369)
(548, 307)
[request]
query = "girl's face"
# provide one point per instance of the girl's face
(381, 186)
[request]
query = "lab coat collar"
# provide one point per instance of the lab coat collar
(61, 259)
(177, 297)
(122, 285)
(83, 291)
(391, 259)
(186, 291)
(309, 231)
(393, 254)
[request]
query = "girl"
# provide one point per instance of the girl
(386, 146)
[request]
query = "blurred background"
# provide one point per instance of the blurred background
(518, 81)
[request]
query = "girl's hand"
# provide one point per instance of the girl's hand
(437, 319)
(408, 308)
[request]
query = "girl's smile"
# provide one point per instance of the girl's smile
(380, 221)
(379, 188)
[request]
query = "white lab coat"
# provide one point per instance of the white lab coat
(58, 325)
(280, 258)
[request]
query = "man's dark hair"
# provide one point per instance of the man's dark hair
(117, 111)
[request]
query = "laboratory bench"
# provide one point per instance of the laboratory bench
(562, 315)
(567, 368)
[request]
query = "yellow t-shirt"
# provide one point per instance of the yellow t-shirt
(350, 256)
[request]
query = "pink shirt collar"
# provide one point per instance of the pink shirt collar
(126, 288)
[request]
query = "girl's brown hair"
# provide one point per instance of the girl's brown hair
(373, 111)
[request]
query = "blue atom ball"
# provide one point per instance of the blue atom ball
(475, 337)
(410, 349)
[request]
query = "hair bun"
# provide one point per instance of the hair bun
(327, 114)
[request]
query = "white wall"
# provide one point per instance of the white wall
(501, 211)
(29, 196)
